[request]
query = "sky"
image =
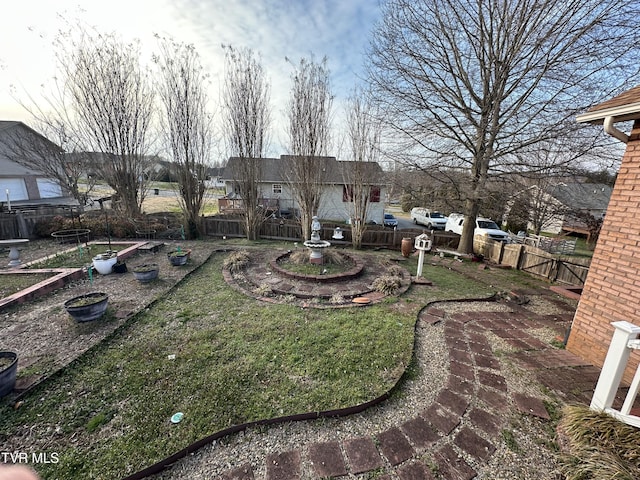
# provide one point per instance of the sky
(274, 29)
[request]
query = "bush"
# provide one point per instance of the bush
(236, 261)
(46, 226)
(386, 284)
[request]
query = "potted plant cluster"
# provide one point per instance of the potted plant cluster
(8, 371)
(146, 272)
(104, 262)
(87, 307)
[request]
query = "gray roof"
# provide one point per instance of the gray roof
(274, 170)
(582, 196)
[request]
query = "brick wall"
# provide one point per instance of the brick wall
(612, 289)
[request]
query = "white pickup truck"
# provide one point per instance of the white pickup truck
(484, 226)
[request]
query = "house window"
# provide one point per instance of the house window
(374, 195)
(347, 193)
(277, 188)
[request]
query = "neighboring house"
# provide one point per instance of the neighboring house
(573, 200)
(334, 205)
(611, 291)
(21, 184)
(215, 177)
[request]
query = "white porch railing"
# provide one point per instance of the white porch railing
(624, 340)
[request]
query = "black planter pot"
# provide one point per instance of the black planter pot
(178, 259)
(85, 308)
(146, 273)
(119, 267)
(8, 373)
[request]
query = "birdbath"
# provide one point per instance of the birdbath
(315, 244)
(14, 253)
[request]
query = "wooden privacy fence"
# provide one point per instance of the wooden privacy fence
(563, 269)
(287, 230)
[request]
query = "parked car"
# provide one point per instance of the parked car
(484, 226)
(389, 220)
(431, 219)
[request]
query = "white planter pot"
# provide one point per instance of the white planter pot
(104, 266)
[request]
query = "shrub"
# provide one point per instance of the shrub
(237, 261)
(386, 284)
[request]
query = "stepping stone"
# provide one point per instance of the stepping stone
(441, 418)
(531, 406)
(493, 399)
(485, 421)
(415, 471)
(283, 466)
(420, 432)
(241, 473)
(451, 466)
(395, 446)
(474, 444)
(456, 403)
(327, 459)
(363, 455)
(492, 380)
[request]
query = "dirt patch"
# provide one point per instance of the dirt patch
(46, 338)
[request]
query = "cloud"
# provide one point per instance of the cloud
(275, 29)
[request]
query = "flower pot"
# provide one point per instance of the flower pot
(8, 370)
(146, 272)
(85, 308)
(104, 262)
(178, 258)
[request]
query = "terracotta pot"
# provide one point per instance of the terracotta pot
(406, 246)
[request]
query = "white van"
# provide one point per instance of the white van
(484, 226)
(432, 220)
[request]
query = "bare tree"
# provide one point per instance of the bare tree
(362, 172)
(309, 115)
(53, 154)
(247, 120)
(187, 125)
(468, 85)
(102, 101)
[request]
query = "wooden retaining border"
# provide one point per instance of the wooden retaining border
(61, 276)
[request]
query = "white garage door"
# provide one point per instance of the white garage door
(16, 187)
(49, 188)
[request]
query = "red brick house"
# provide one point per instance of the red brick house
(612, 289)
